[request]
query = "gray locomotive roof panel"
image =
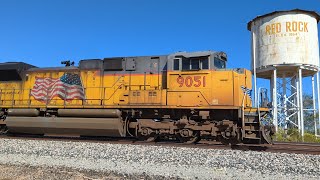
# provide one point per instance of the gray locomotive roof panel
(313, 13)
(136, 64)
(13, 71)
(194, 54)
(199, 54)
(15, 65)
(69, 68)
(180, 53)
(87, 64)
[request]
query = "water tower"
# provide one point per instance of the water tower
(285, 50)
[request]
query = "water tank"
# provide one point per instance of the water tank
(285, 40)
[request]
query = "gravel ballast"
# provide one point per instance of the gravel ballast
(139, 161)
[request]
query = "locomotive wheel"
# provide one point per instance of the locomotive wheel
(224, 141)
(149, 138)
(190, 140)
(3, 130)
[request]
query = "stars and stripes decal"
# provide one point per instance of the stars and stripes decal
(67, 87)
(247, 91)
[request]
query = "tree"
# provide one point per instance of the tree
(308, 115)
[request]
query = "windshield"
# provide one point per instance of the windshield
(195, 63)
(219, 64)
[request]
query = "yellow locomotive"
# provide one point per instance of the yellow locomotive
(185, 95)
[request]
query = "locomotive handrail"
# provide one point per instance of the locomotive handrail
(242, 114)
(191, 91)
(113, 91)
(13, 101)
(259, 113)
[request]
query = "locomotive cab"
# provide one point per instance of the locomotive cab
(201, 79)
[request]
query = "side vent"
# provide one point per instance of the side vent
(90, 64)
(112, 64)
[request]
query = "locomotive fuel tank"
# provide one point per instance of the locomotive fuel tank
(86, 122)
(65, 126)
(24, 112)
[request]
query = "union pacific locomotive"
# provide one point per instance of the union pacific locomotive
(186, 96)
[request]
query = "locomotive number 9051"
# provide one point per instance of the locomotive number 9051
(192, 81)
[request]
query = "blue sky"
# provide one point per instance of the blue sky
(45, 32)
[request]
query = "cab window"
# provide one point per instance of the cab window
(219, 64)
(198, 63)
(205, 63)
(176, 63)
(186, 64)
(195, 64)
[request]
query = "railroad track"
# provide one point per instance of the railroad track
(277, 147)
(299, 148)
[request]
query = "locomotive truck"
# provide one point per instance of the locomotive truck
(185, 96)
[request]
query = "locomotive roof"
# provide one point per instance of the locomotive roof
(13, 71)
(179, 53)
(15, 65)
(192, 54)
(97, 61)
(71, 68)
(198, 54)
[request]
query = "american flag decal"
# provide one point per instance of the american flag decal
(67, 87)
(246, 91)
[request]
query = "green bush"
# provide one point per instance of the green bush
(293, 135)
(311, 138)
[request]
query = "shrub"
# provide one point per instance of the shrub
(293, 135)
